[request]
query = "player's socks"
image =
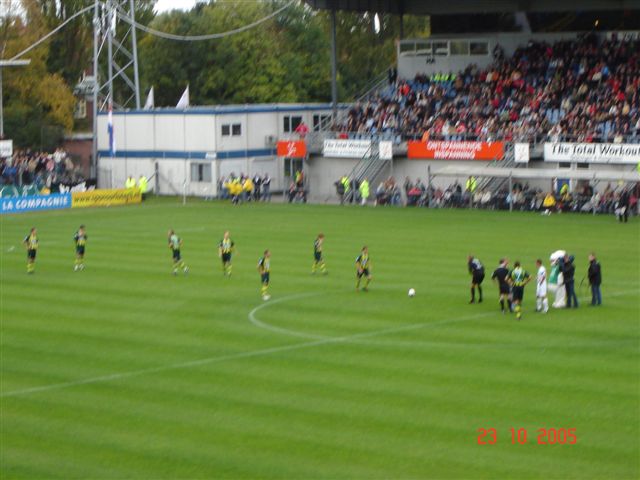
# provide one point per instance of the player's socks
(473, 295)
(479, 294)
(518, 312)
(314, 266)
(366, 284)
(323, 267)
(545, 305)
(502, 305)
(538, 304)
(263, 290)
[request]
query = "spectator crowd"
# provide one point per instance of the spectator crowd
(42, 170)
(621, 200)
(582, 90)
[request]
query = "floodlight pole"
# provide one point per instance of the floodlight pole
(334, 66)
(134, 42)
(96, 87)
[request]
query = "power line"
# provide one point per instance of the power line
(211, 36)
(52, 32)
(153, 31)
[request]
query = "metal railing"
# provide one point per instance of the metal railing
(369, 167)
(374, 85)
(534, 140)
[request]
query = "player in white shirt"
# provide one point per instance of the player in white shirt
(542, 304)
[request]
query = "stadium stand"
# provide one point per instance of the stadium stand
(584, 90)
(34, 171)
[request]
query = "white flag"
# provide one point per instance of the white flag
(184, 99)
(150, 103)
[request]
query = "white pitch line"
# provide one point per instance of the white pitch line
(234, 356)
(250, 354)
(254, 320)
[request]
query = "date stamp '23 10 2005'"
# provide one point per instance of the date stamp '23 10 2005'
(520, 436)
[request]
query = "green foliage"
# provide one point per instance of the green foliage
(276, 62)
(37, 102)
(283, 60)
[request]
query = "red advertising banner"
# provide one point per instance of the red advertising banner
(292, 148)
(439, 150)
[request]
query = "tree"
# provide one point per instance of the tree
(35, 100)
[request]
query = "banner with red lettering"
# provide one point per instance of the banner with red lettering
(441, 150)
(292, 148)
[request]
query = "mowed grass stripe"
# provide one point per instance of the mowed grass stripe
(393, 408)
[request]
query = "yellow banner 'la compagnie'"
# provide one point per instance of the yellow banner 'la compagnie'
(105, 198)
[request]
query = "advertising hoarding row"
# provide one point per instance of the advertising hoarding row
(592, 153)
(455, 150)
(57, 201)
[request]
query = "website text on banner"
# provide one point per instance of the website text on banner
(592, 152)
(292, 149)
(439, 150)
(32, 203)
(106, 198)
(347, 148)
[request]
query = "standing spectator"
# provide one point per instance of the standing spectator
(364, 191)
(266, 188)
(257, 187)
(569, 272)
(143, 185)
(595, 279)
(623, 207)
(355, 189)
(302, 130)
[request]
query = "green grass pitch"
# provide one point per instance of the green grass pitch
(125, 371)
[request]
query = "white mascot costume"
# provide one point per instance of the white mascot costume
(556, 280)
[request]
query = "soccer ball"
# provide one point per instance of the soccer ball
(266, 297)
(412, 292)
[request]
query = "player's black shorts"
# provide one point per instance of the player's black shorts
(504, 289)
(31, 254)
(265, 278)
(80, 250)
(176, 255)
(518, 293)
(317, 256)
(478, 277)
(226, 257)
(365, 272)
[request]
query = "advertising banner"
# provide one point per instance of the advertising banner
(32, 203)
(105, 198)
(521, 152)
(592, 152)
(292, 149)
(385, 150)
(6, 148)
(439, 150)
(347, 148)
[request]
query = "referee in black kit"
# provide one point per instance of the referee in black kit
(501, 275)
(476, 269)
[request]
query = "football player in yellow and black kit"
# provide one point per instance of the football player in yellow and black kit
(264, 269)
(318, 259)
(363, 266)
(225, 250)
(175, 243)
(80, 240)
(31, 244)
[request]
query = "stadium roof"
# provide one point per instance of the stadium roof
(438, 7)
